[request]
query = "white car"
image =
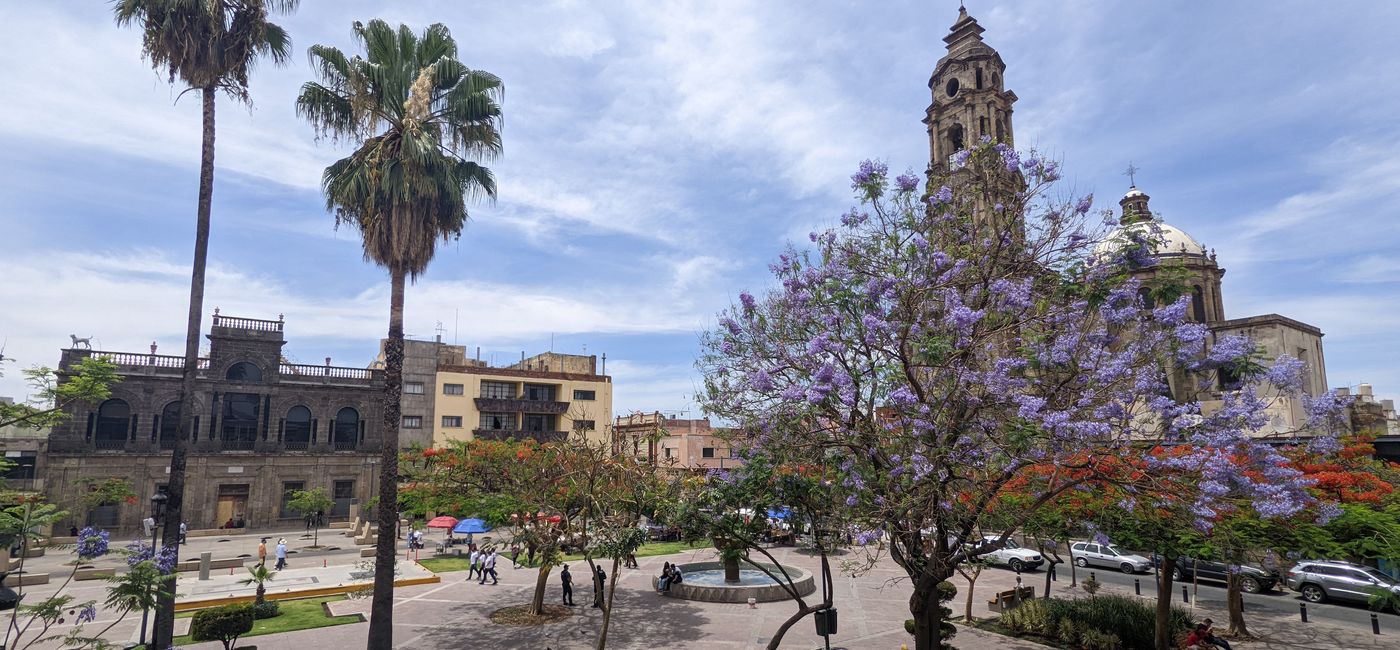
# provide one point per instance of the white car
(1108, 555)
(1012, 555)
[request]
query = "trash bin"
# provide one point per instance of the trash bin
(826, 621)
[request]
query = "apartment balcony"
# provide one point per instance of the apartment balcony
(518, 434)
(498, 405)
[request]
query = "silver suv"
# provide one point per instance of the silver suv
(1087, 553)
(1319, 580)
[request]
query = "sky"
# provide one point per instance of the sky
(658, 155)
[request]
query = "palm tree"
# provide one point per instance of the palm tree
(209, 46)
(259, 575)
(419, 118)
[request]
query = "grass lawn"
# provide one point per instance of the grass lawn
(445, 564)
(296, 615)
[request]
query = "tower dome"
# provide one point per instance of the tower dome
(1137, 219)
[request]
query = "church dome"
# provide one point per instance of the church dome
(1174, 241)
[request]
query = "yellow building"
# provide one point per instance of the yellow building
(545, 397)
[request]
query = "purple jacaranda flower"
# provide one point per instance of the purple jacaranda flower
(92, 543)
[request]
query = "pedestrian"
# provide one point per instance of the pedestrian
(72, 531)
(262, 552)
(630, 561)
(1210, 635)
(472, 565)
(515, 555)
(281, 553)
(184, 530)
(568, 581)
(489, 566)
(598, 578)
(663, 582)
(529, 554)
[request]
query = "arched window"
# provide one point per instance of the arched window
(113, 422)
(347, 428)
(169, 425)
(297, 432)
(1001, 129)
(1198, 304)
(956, 138)
(1145, 295)
(244, 372)
(979, 78)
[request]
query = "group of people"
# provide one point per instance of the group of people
(670, 576)
(280, 551)
(482, 563)
(1203, 637)
(600, 578)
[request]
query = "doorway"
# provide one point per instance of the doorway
(232, 506)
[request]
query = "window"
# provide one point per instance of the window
(169, 425)
(240, 420)
(668, 452)
(1091, 548)
(585, 394)
(296, 431)
(413, 422)
(707, 452)
(347, 429)
(244, 372)
(22, 465)
(1145, 295)
(979, 78)
(539, 392)
(497, 421)
(952, 87)
(452, 389)
(413, 388)
(1198, 304)
(452, 421)
(584, 425)
(540, 422)
(343, 493)
(955, 137)
(113, 418)
(497, 390)
(288, 487)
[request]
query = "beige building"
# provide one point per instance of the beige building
(673, 442)
(545, 397)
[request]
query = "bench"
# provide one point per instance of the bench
(1010, 598)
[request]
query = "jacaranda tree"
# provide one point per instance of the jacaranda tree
(420, 120)
(935, 345)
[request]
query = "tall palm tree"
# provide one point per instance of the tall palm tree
(209, 46)
(420, 119)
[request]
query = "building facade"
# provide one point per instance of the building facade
(546, 397)
(674, 442)
(420, 363)
(263, 427)
(26, 452)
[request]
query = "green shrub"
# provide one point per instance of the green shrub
(266, 609)
(1128, 620)
(1068, 631)
(1096, 640)
(224, 624)
(909, 625)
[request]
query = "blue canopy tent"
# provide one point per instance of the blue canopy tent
(779, 513)
(469, 526)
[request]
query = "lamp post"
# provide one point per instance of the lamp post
(157, 514)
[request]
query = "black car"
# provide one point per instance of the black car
(1253, 579)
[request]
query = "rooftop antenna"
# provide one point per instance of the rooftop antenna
(1131, 173)
(439, 329)
(455, 314)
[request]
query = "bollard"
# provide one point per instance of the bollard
(323, 563)
(1185, 597)
(204, 559)
(1137, 587)
(1375, 624)
(1303, 611)
(1053, 577)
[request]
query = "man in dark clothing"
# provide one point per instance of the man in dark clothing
(599, 579)
(568, 580)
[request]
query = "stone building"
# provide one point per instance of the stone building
(26, 452)
(680, 443)
(545, 397)
(420, 366)
(263, 428)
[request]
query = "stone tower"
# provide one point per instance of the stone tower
(969, 100)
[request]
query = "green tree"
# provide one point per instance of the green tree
(311, 503)
(259, 575)
(419, 119)
(208, 46)
(224, 624)
(90, 380)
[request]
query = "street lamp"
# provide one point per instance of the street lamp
(157, 514)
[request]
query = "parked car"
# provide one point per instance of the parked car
(1108, 555)
(1253, 579)
(1012, 555)
(1319, 580)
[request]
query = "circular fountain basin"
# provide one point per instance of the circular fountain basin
(704, 581)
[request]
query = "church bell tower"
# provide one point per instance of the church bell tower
(969, 99)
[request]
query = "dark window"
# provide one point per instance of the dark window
(585, 394)
(240, 421)
(499, 421)
(452, 421)
(413, 388)
(347, 428)
(952, 87)
(540, 422)
(668, 452)
(1198, 304)
(707, 452)
(343, 493)
(296, 433)
(413, 422)
(452, 389)
(979, 78)
(169, 425)
(497, 390)
(1145, 295)
(22, 464)
(243, 371)
(584, 425)
(288, 487)
(113, 420)
(955, 137)
(539, 392)
(1001, 129)
(982, 126)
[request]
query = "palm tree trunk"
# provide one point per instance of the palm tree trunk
(164, 630)
(381, 621)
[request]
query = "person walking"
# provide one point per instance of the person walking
(281, 553)
(184, 530)
(598, 579)
(567, 579)
(489, 566)
(472, 565)
(262, 552)
(515, 555)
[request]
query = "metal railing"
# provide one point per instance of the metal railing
(296, 445)
(109, 443)
(236, 445)
(345, 445)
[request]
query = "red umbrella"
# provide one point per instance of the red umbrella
(442, 522)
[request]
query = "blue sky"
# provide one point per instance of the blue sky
(659, 154)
